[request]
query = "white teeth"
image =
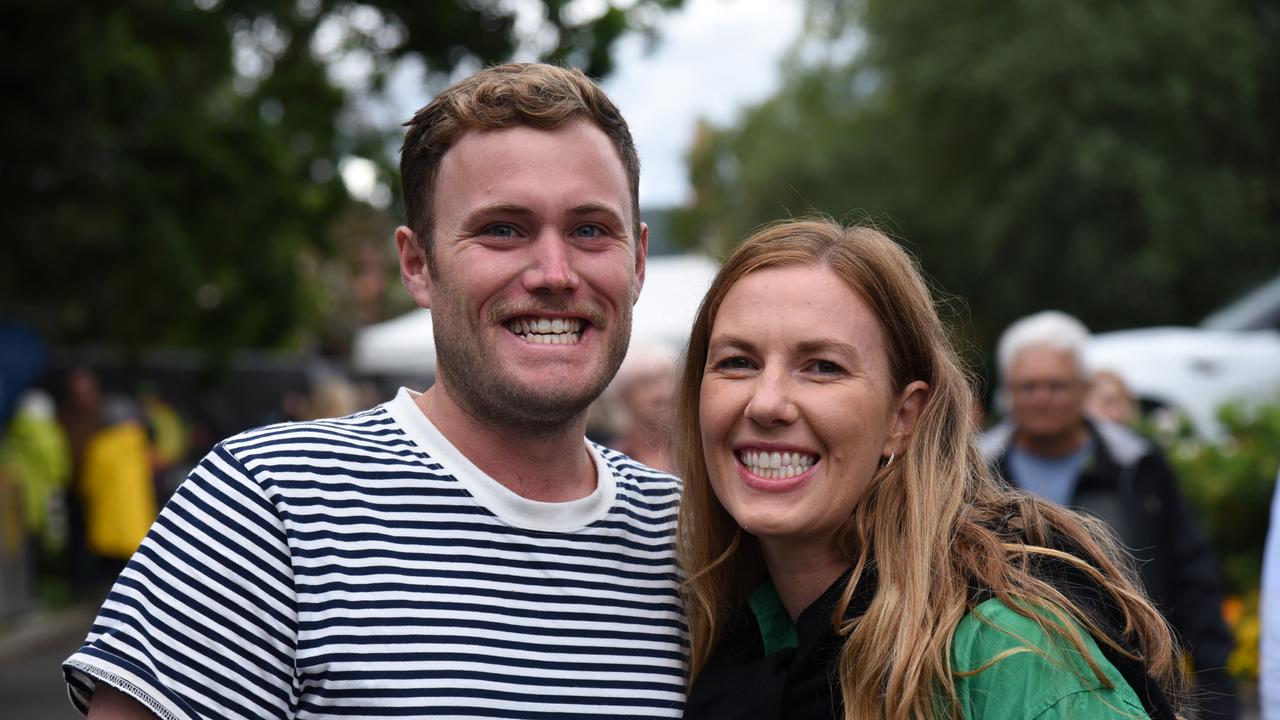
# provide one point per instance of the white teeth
(773, 465)
(542, 331)
(562, 339)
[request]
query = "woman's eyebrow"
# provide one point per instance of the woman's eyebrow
(821, 345)
(720, 342)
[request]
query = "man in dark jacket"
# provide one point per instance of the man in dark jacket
(1050, 447)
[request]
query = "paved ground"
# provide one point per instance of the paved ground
(32, 648)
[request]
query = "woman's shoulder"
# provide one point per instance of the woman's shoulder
(1008, 666)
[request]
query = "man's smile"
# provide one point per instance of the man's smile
(547, 331)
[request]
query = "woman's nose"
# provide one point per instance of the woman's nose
(771, 402)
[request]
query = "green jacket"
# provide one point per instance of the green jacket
(1038, 676)
(766, 667)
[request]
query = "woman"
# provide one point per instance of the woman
(846, 552)
(1109, 398)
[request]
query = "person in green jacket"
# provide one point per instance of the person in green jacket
(34, 452)
(846, 552)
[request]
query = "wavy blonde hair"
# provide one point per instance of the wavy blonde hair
(931, 526)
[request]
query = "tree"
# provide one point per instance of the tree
(171, 175)
(1114, 160)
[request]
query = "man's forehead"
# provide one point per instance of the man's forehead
(515, 149)
(1044, 359)
(582, 130)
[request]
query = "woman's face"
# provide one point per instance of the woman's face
(797, 404)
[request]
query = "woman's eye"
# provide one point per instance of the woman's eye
(734, 363)
(826, 367)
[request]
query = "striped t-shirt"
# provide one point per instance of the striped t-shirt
(362, 567)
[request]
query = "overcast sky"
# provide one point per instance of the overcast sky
(713, 57)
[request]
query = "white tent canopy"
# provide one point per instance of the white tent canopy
(673, 288)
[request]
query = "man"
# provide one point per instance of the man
(460, 552)
(1050, 447)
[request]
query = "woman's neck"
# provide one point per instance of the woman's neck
(801, 573)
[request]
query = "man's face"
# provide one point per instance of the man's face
(1046, 392)
(536, 273)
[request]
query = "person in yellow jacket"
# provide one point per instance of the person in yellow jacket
(116, 485)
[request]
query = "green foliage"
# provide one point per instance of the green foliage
(171, 173)
(1230, 483)
(1114, 160)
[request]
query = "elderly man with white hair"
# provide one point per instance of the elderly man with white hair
(1049, 446)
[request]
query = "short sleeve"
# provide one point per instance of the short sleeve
(1010, 669)
(202, 622)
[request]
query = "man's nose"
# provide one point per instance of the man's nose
(771, 403)
(551, 265)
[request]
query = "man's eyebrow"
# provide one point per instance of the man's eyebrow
(499, 209)
(485, 211)
(596, 209)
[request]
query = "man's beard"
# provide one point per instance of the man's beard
(477, 381)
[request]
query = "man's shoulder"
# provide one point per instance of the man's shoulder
(642, 487)
(626, 467)
(371, 421)
(1122, 444)
(994, 443)
(369, 432)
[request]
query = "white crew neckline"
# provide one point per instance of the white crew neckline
(492, 495)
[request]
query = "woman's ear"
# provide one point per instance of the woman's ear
(910, 402)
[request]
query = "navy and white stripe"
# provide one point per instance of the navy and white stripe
(361, 567)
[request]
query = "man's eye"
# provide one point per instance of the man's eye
(501, 230)
(588, 231)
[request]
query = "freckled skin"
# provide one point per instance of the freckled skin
(797, 360)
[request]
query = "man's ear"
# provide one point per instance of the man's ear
(910, 402)
(414, 272)
(642, 254)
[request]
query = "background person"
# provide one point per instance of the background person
(643, 392)
(838, 521)
(117, 489)
(458, 552)
(1109, 399)
(1049, 446)
(35, 455)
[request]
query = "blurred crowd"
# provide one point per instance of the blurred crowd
(84, 472)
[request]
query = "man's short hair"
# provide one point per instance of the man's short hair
(542, 96)
(1050, 328)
